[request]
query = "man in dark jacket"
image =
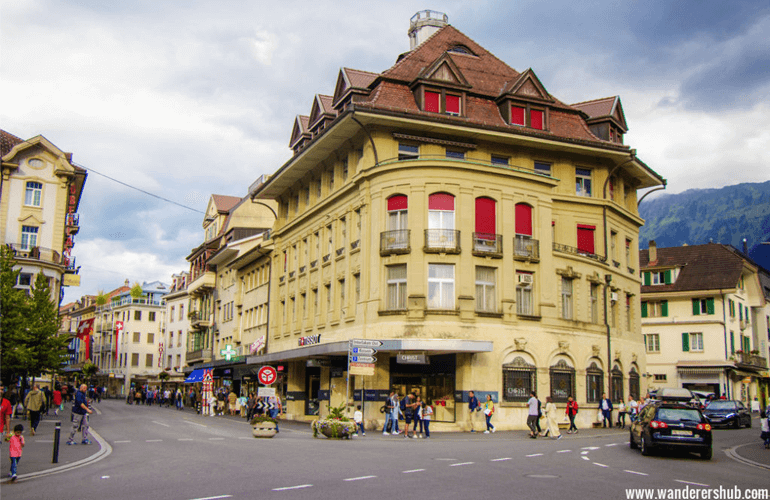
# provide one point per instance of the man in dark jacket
(605, 405)
(80, 412)
(473, 404)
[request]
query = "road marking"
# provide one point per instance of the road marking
(590, 448)
(564, 451)
(216, 439)
(195, 423)
(584, 453)
(600, 465)
(500, 459)
(244, 437)
(634, 472)
(121, 441)
(585, 458)
(448, 459)
(184, 439)
(160, 423)
(535, 455)
(611, 444)
(690, 482)
(288, 488)
(461, 463)
(410, 471)
(105, 477)
(359, 478)
(213, 498)
(153, 440)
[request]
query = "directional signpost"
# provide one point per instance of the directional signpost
(361, 359)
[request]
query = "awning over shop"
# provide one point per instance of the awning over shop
(701, 370)
(195, 376)
(429, 346)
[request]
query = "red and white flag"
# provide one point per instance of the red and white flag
(85, 329)
(118, 329)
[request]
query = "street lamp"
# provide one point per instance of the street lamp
(607, 281)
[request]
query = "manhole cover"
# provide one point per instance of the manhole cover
(541, 476)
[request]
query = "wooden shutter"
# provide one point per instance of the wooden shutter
(647, 279)
(740, 311)
(667, 277)
(523, 219)
(710, 305)
(432, 100)
(664, 308)
(485, 215)
(732, 342)
(685, 342)
(517, 115)
(695, 307)
(644, 309)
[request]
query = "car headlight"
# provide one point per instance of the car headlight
(730, 415)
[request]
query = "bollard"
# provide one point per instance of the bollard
(56, 434)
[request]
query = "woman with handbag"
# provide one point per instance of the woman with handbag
(489, 410)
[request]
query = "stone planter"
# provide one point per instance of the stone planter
(263, 430)
(333, 428)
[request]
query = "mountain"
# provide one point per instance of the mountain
(696, 216)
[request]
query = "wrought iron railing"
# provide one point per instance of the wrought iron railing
(442, 241)
(558, 247)
(526, 248)
(394, 242)
(487, 244)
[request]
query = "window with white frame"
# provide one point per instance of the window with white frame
(485, 289)
(652, 342)
(396, 288)
(583, 182)
(524, 294)
(441, 285)
(28, 237)
(566, 298)
(33, 194)
(692, 342)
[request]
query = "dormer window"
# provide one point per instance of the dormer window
(441, 102)
(519, 115)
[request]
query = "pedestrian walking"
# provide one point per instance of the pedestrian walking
(358, 418)
(388, 407)
(418, 418)
(34, 402)
(551, 419)
(533, 405)
(394, 414)
(276, 410)
(489, 410)
(473, 407)
(80, 412)
(407, 409)
(6, 410)
(17, 443)
(58, 403)
(765, 423)
(605, 405)
(632, 409)
(47, 398)
(427, 416)
(232, 400)
(572, 411)
(621, 415)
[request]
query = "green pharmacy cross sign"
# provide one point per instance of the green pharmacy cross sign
(228, 352)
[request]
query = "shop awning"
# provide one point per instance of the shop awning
(195, 376)
(429, 346)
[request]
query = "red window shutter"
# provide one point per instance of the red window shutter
(485, 215)
(585, 238)
(453, 104)
(536, 119)
(517, 115)
(432, 101)
(441, 201)
(523, 219)
(397, 202)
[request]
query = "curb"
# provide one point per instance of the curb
(733, 453)
(104, 451)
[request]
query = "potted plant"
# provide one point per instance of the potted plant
(263, 426)
(336, 425)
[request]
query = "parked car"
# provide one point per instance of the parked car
(668, 425)
(728, 413)
(684, 396)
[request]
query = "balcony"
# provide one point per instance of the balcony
(199, 320)
(394, 242)
(558, 247)
(24, 252)
(750, 361)
(203, 283)
(72, 223)
(442, 241)
(526, 248)
(487, 245)
(198, 355)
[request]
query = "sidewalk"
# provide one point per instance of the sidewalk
(38, 449)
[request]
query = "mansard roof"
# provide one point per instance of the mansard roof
(603, 109)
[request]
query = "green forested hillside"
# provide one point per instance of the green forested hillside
(697, 216)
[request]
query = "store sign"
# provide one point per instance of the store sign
(365, 369)
(309, 340)
(412, 359)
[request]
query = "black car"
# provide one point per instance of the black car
(728, 413)
(663, 425)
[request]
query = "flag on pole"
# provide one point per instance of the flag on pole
(85, 329)
(118, 329)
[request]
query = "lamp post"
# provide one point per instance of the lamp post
(607, 281)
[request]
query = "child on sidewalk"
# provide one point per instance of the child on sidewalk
(358, 418)
(17, 443)
(765, 421)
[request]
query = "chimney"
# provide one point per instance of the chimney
(423, 24)
(745, 246)
(653, 252)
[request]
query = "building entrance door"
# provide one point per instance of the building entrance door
(312, 386)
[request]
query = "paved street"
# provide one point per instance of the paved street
(163, 453)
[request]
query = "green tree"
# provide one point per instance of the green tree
(48, 349)
(89, 370)
(101, 298)
(136, 291)
(14, 353)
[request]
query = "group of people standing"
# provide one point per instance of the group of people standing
(154, 395)
(413, 410)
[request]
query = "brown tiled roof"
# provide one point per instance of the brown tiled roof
(702, 267)
(359, 79)
(7, 142)
(596, 107)
(326, 104)
(224, 203)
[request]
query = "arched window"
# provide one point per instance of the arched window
(441, 232)
(485, 238)
(594, 383)
(617, 384)
(396, 238)
(524, 246)
(523, 220)
(562, 381)
(519, 379)
(633, 384)
(397, 212)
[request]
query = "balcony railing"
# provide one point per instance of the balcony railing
(442, 241)
(487, 245)
(526, 248)
(558, 247)
(72, 222)
(199, 320)
(394, 242)
(198, 355)
(751, 360)
(35, 253)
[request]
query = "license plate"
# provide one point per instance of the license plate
(675, 432)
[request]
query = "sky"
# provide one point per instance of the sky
(185, 99)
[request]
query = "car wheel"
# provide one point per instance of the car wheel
(631, 443)
(645, 449)
(706, 454)
(737, 423)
